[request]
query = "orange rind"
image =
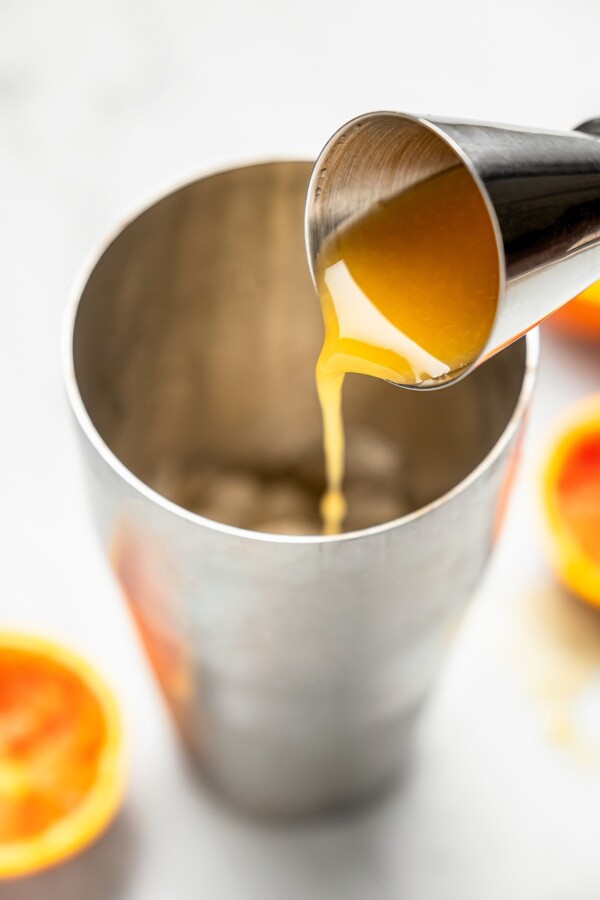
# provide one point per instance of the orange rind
(61, 755)
(571, 496)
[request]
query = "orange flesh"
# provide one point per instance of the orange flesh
(52, 733)
(581, 316)
(578, 494)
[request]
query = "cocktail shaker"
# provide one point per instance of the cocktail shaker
(294, 666)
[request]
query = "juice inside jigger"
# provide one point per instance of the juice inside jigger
(409, 294)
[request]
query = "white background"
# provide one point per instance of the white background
(101, 101)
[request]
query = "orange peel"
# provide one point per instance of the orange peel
(61, 754)
(571, 496)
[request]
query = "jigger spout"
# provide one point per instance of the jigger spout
(541, 188)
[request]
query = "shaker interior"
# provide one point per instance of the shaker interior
(194, 347)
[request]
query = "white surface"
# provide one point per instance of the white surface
(100, 102)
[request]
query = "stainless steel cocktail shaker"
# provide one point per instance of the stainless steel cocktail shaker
(295, 667)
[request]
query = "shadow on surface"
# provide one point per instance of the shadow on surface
(102, 872)
(345, 854)
(339, 857)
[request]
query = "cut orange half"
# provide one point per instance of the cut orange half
(581, 316)
(571, 486)
(61, 754)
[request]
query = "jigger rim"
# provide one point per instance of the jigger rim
(314, 191)
(138, 486)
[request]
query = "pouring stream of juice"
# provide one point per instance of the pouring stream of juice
(409, 293)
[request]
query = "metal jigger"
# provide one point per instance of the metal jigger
(542, 190)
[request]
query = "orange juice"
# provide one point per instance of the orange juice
(409, 294)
